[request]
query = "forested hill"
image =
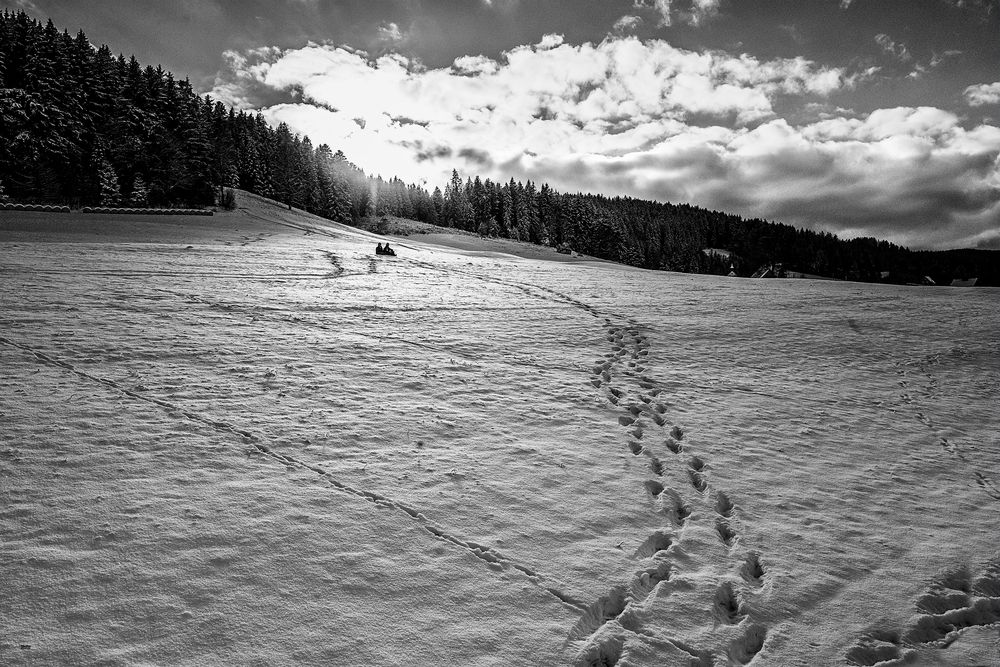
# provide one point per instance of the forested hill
(81, 126)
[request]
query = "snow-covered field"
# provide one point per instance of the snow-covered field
(248, 440)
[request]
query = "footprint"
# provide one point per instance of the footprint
(697, 481)
(635, 447)
(656, 466)
(674, 446)
(875, 647)
(950, 591)
(653, 487)
(723, 505)
(935, 628)
(605, 653)
(743, 649)
(988, 585)
(654, 544)
(696, 464)
(677, 433)
(726, 533)
(645, 582)
(674, 507)
(599, 613)
(626, 421)
(725, 605)
(752, 571)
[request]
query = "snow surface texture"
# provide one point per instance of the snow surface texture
(247, 440)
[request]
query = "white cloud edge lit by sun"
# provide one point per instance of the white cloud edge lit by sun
(696, 13)
(626, 116)
(983, 94)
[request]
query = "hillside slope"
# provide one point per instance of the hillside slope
(246, 439)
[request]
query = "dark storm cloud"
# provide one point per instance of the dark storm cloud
(189, 36)
(476, 157)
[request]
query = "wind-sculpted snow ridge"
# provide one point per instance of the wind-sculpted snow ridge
(954, 603)
(489, 556)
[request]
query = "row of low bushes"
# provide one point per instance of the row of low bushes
(146, 211)
(51, 208)
(47, 208)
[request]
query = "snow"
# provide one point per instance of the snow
(245, 439)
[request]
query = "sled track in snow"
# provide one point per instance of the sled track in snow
(489, 556)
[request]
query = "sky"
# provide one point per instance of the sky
(858, 117)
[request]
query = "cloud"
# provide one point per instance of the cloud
(897, 50)
(647, 119)
(550, 41)
(984, 8)
(390, 32)
(702, 10)
(501, 5)
(982, 94)
(627, 24)
(693, 12)
(29, 7)
(662, 7)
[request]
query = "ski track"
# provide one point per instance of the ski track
(607, 625)
(954, 602)
(489, 556)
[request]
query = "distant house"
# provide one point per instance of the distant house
(769, 271)
(968, 282)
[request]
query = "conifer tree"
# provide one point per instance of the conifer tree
(110, 192)
(140, 192)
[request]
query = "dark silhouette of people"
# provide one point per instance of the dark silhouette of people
(384, 250)
(378, 249)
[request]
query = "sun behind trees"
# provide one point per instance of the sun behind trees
(82, 127)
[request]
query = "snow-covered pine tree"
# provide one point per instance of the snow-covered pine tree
(140, 193)
(108, 182)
